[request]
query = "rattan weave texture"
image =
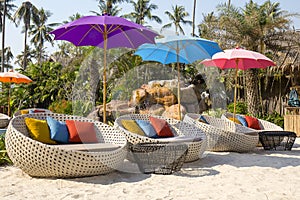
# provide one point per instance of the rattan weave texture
(4, 120)
(277, 140)
(43, 160)
(18, 112)
(179, 128)
(220, 136)
(264, 125)
(159, 158)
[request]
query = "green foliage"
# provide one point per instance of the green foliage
(241, 108)
(61, 106)
(51, 82)
(4, 159)
(215, 112)
(274, 117)
(82, 108)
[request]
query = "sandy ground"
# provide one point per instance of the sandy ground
(260, 174)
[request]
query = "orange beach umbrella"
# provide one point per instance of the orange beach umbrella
(13, 77)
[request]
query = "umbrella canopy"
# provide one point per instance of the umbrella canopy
(104, 32)
(181, 49)
(238, 58)
(13, 77)
(178, 49)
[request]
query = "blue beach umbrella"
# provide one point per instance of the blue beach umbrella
(178, 49)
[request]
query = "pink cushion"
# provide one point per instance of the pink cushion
(81, 132)
(161, 127)
(252, 122)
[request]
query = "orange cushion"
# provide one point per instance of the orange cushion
(161, 127)
(252, 122)
(81, 132)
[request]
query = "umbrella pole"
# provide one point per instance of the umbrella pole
(235, 87)
(178, 83)
(104, 75)
(8, 105)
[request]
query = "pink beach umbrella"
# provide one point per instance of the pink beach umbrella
(238, 58)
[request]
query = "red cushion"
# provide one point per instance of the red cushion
(38, 111)
(161, 127)
(81, 132)
(252, 122)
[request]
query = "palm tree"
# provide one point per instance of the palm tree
(142, 9)
(27, 12)
(8, 56)
(209, 27)
(249, 27)
(72, 18)
(114, 11)
(110, 5)
(40, 32)
(5, 11)
(194, 15)
(29, 55)
(176, 18)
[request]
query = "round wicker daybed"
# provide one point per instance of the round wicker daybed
(4, 120)
(264, 125)
(43, 160)
(196, 147)
(221, 134)
(42, 110)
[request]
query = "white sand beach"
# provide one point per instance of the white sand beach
(260, 174)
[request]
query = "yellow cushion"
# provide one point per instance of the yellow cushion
(235, 120)
(39, 130)
(23, 112)
(132, 126)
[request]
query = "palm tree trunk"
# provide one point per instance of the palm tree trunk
(25, 49)
(252, 91)
(194, 14)
(3, 36)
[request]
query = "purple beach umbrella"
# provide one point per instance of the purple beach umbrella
(104, 32)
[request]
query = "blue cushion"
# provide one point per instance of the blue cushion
(202, 119)
(30, 111)
(58, 130)
(242, 120)
(147, 127)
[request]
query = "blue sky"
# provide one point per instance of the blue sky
(62, 9)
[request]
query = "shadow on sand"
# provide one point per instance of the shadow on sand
(129, 171)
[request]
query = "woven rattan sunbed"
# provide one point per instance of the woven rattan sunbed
(4, 120)
(43, 110)
(196, 143)
(43, 160)
(264, 125)
(221, 134)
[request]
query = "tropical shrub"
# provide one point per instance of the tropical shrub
(51, 82)
(61, 106)
(274, 117)
(218, 112)
(241, 108)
